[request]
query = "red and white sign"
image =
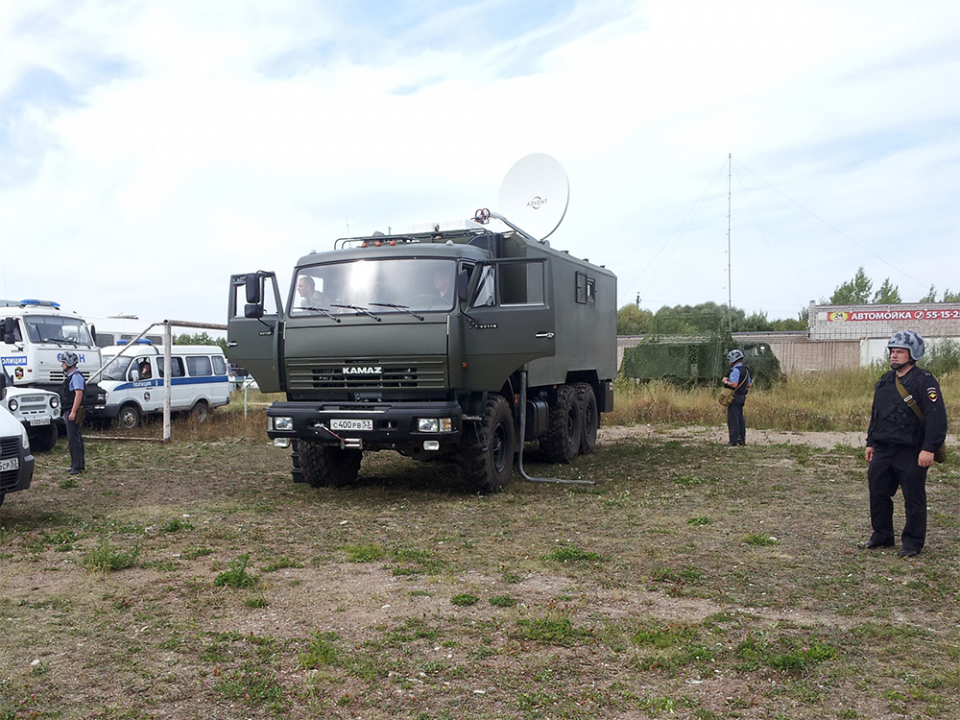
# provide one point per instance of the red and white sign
(885, 315)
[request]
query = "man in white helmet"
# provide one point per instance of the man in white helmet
(908, 424)
(739, 381)
(71, 396)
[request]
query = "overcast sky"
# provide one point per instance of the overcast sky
(150, 149)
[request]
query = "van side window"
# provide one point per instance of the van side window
(199, 366)
(176, 367)
(219, 365)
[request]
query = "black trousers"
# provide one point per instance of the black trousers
(896, 466)
(75, 441)
(736, 425)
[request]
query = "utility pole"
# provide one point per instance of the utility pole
(729, 246)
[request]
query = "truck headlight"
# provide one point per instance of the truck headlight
(25, 439)
(434, 425)
(12, 404)
(281, 423)
(54, 402)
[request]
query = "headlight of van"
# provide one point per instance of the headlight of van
(54, 402)
(25, 439)
(12, 404)
(281, 423)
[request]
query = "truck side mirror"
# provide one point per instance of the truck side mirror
(93, 333)
(462, 280)
(254, 311)
(253, 289)
(8, 326)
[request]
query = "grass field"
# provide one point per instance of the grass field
(195, 580)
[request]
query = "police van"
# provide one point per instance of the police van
(37, 410)
(16, 462)
(133, 380)
(33, 336)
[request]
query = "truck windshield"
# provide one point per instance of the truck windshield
(58, 330)
(116, 370)
(387, 285)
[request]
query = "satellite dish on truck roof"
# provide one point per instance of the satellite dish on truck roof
(534, 194)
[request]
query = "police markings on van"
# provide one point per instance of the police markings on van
(134, 379)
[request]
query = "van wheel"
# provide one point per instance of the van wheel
(129, 417)
(562, 443)
(485, 455)
(44, 438)
(200, 412)
(325, 465)
(589, 416)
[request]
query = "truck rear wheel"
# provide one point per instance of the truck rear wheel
(485, 456)
(590, 417)
(325, 465)
(43, 438)
(562, 443)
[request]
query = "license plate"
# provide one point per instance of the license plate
(11, 464)
(351, 424)
(39, 421)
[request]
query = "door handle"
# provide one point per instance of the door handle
(545, 335)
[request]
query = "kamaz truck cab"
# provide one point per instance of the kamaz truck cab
(457, 344)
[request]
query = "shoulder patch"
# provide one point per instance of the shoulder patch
(932, 394)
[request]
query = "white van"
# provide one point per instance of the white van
(16, 462)
(133, 381)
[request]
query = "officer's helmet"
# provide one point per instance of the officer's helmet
(908, 340)
(734, 355)
(69, 358)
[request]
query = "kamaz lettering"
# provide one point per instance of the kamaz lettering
(363, 370)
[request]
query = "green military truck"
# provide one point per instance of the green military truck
(454, 345)
(697, 359)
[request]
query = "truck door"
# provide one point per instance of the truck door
(508, 321)
(255, 328)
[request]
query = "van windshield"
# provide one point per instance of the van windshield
(381, 285)
(58, 330)
(117, 370)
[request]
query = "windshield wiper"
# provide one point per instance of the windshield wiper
(323, 311)
(403, 308)
(362, 310)
(61, 340)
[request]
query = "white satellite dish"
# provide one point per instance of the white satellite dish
(534, 195)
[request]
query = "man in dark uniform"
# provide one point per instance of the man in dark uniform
(901, 445)
(739, 381)
(71, 395)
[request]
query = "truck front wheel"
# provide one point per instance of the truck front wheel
(324, 465)
(43, 438)
(562, 443)
(485, 457)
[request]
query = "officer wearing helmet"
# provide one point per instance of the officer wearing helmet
(739, 381)
(71, 395)
(901, 445)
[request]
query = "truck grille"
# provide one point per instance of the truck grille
(357, 374)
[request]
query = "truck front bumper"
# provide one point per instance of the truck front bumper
(373, 425)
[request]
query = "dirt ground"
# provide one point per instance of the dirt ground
(674, 586)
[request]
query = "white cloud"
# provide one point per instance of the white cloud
(201, 140)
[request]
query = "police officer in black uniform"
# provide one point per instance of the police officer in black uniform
(71, 396)
(901, 446)
(740, 381)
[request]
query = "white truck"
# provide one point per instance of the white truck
(16, 462)
(33, 335)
